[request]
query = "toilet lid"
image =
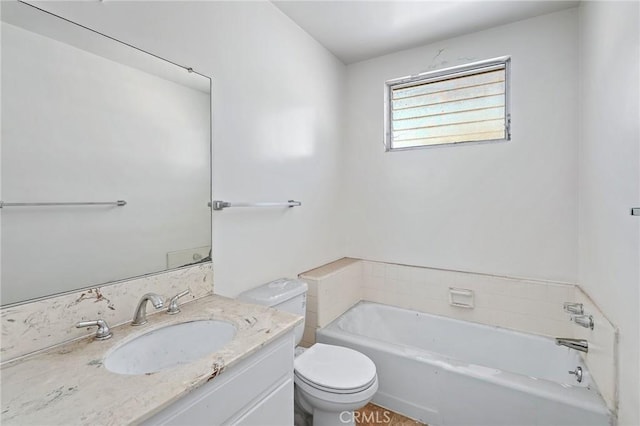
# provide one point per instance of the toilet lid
(337, 368)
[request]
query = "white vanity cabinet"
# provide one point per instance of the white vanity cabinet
(257, 391)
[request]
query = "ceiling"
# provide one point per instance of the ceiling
(355, 30)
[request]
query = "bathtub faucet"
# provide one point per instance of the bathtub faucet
(577, 344)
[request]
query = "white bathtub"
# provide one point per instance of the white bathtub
(443, 371)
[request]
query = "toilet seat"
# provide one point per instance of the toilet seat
(300, 380)
(334, 369)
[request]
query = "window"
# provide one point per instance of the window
(468, 103)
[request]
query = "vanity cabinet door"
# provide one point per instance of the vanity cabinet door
(269, 411)
(261, 385)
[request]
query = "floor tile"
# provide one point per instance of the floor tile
(374, 415)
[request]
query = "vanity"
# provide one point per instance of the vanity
(249, 381)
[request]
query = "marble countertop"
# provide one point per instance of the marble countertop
(69, 385)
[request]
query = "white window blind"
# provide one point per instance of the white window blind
(460, 104)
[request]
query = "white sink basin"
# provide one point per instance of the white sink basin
(169, 346)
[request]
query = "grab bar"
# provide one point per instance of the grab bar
(219, 205)
(119, 203)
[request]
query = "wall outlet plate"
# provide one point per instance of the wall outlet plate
(176, 259)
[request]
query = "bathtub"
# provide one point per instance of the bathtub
(447, 372)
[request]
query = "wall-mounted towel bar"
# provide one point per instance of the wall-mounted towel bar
(219, 205)
(78, 203)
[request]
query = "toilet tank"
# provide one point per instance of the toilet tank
(285, 294)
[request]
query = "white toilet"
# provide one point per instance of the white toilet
(330, 381)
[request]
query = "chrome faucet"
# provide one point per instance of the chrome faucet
(103, 332)
(140, 314)
(577, 344)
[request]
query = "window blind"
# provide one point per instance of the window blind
(451, 108)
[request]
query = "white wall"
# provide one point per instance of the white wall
(609, 165)
(276, 130)
(79, 127)
(502, 208)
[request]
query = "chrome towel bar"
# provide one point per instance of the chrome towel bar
(119, 203)
(219, 205)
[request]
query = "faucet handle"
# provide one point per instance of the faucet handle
(585, 321)
(574, 308)
(103, 332)
(173, 302)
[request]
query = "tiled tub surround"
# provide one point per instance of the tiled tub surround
(39, 389)
(530, 306)
(518, 304)
(602, 358)
(37, 325)
(333, 288)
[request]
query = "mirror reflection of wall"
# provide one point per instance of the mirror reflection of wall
(77, 126)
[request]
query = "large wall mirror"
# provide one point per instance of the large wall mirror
(87, 119)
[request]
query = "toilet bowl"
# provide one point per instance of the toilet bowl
(330, 381)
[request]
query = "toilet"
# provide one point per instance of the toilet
(330, 381)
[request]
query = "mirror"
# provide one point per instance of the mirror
(88, 119)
